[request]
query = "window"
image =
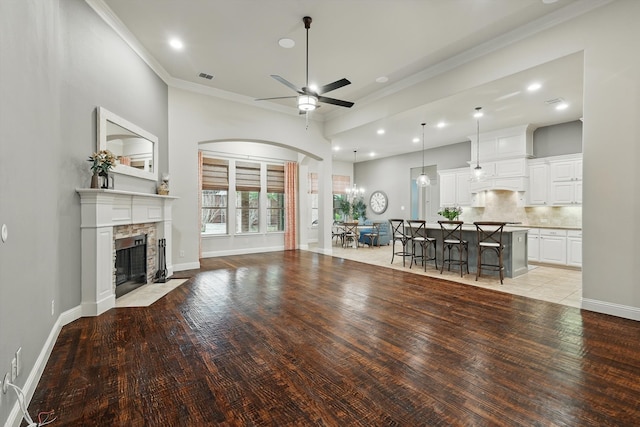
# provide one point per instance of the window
(247, 197)
(340, 183)
(275, 198)
(313, 197)
(215, 189)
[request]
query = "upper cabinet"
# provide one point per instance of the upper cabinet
(555, 181)
(538, 184)
(454, 187)
(566, 180)
(510, 143)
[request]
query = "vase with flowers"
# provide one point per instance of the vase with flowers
(101, 163)
(451, 214)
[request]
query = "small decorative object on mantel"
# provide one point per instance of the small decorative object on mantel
(101, 163)
(163, 188)
(451, 213)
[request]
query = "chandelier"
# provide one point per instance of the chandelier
(354, 191)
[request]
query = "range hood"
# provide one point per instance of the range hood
(503, 157)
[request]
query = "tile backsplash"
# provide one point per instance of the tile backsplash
(503, 206)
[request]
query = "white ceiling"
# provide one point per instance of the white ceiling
(237, 42)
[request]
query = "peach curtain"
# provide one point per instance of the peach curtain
(200, 161)
(290, 205)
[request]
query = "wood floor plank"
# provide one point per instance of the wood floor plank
(298, 338)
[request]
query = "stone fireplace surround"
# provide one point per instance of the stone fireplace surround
(110, 214)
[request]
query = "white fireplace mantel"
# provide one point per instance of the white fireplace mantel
(101, 211)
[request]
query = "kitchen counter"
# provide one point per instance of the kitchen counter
(515, 254)
(551, 227)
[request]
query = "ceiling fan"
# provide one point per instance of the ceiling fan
(307, 98)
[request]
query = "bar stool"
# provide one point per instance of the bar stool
(490, 239)
(418, 230)
(399, 234)
(452, 238)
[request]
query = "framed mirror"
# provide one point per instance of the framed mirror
(136, 150)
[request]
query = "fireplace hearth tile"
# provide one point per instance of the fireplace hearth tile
(147, 294)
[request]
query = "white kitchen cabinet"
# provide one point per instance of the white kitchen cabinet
(538, 184)
(574, 248)
(553, 246)
(533, 244)
(454, 187)
(566, 181)
(566, 193)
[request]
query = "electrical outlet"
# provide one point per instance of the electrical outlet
(14, 369)
(53, 307)
(19, 361)
(181, 254)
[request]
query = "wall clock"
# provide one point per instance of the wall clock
(378, 202)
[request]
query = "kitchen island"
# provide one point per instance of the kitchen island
(514, 255)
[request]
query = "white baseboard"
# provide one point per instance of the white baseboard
(245, 251)
(15, 416)
(619, 310)
(186, 266)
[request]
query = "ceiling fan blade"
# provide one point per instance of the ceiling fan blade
(287, 83)
(276, 97)
(333, 86)
(334, 101)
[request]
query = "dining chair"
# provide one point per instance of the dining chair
(350, 234)
(373, 235)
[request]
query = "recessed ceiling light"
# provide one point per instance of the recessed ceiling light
(382, 79)
(286, 43)
(533, 87)
(372, 154)
(562, 106)
(441, 124)
(415, 140)
(549, 1)
(336, 148)
(380, 131)
(176, 43)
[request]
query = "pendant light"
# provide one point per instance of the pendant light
(478, 169)
(423, 180)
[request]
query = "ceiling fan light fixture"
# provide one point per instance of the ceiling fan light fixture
(307, 102)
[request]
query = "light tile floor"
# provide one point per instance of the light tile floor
(147, 294)
(553, 284)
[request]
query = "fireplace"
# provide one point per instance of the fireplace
(108, 216)
(131, 263)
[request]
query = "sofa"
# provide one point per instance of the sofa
(384, 235)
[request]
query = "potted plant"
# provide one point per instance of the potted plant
(344, 207)
(359, 209)
(451, 213)
(101, 163)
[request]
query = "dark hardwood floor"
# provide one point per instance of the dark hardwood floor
(297, 338)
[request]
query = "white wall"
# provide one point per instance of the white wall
(58, 62)
(196, 118)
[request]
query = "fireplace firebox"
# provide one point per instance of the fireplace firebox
(131, 263)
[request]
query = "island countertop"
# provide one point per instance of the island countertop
(514, 239)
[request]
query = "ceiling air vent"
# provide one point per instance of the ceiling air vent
(554, 101)
(206, 76)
